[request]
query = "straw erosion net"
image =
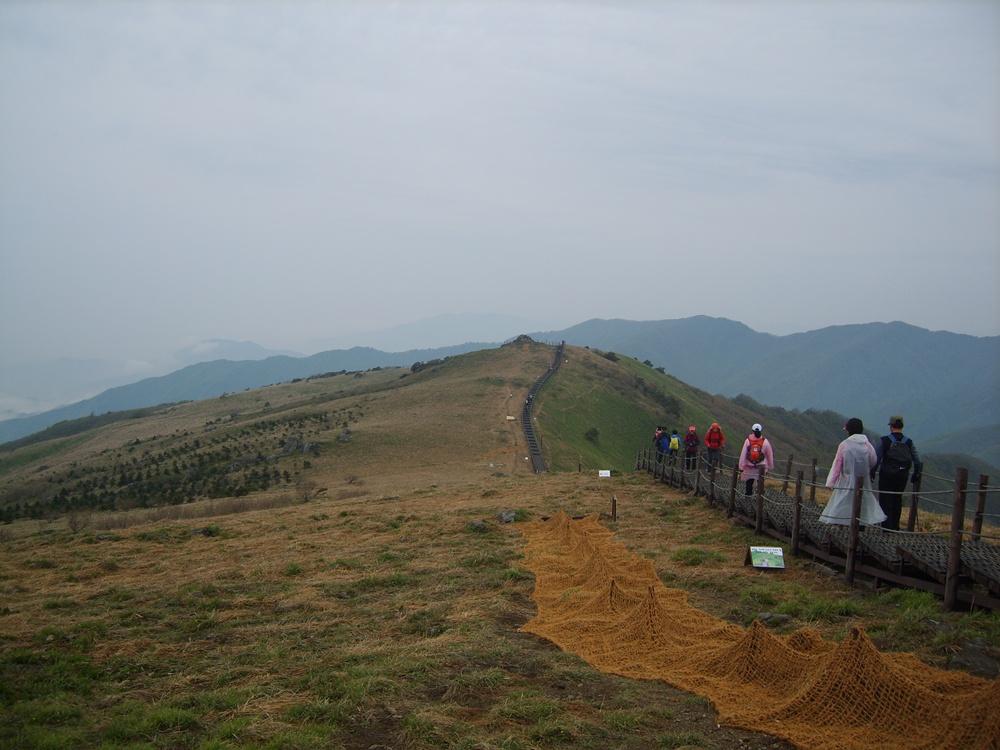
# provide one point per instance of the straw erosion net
(598, 600)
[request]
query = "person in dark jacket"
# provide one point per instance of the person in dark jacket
(691, 443)
(895, 455)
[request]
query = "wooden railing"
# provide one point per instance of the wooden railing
(963, 567)
(534, 446)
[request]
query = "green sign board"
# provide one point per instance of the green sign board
(765, 557)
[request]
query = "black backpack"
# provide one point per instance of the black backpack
(898, 457)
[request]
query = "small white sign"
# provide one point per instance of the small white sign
(604, 473)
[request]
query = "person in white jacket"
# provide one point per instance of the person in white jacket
(855, 459)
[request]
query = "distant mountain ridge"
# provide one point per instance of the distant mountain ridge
(31, 388)
(441, 330)
(211, 379)
(598, 411)
(941, 382)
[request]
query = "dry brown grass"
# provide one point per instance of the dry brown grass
(253, 606)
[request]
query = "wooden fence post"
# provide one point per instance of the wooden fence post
(955, 540)
(977, 521)
(732, 493)
(788, 476)
(697, 474)
(812, 487)
(759, 524)
(852, 544)
(911, 519)
(796, 513)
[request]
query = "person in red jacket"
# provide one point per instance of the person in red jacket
(714, 440)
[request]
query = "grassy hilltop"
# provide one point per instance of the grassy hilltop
(448, 420)
(320, 564)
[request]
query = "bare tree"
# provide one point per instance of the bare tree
(305, 489)
(77, 520)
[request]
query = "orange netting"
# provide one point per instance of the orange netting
(597, 599)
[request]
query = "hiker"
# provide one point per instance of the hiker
(756, 458)
(691, 443)
(855, 458)
(673, 447)
(714, 440)
(658, 434)
(895, 454)
(664, 448)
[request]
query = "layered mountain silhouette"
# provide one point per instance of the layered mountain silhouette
(215, 378)
(945, 384)
(942, 382)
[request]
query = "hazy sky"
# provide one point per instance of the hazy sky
(284, 171)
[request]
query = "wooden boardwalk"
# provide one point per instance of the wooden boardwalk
(534, 447)
(903, 558)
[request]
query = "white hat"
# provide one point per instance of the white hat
(757, 428)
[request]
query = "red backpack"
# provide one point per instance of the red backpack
(755, 450)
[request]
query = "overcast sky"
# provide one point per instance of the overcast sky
(284, 171)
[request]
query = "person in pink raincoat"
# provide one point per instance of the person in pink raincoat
(756, 458)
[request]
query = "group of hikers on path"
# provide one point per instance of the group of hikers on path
(668, 445)
(891, 459)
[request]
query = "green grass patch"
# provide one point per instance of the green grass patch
(674, 740)
(623, 721)
(696, 556)
(136, 722)
(61, 603)
(11, 459)
(525, 706)
(45, 671)
(778, 597)
(426, 623)
(38, 563)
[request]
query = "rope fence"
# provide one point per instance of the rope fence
(958, 564)
(819, 471)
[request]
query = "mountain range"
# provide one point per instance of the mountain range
(451, 416)
(945, 384)
(218, 377)
(32, 387)
(29, 388)
(941, 382)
